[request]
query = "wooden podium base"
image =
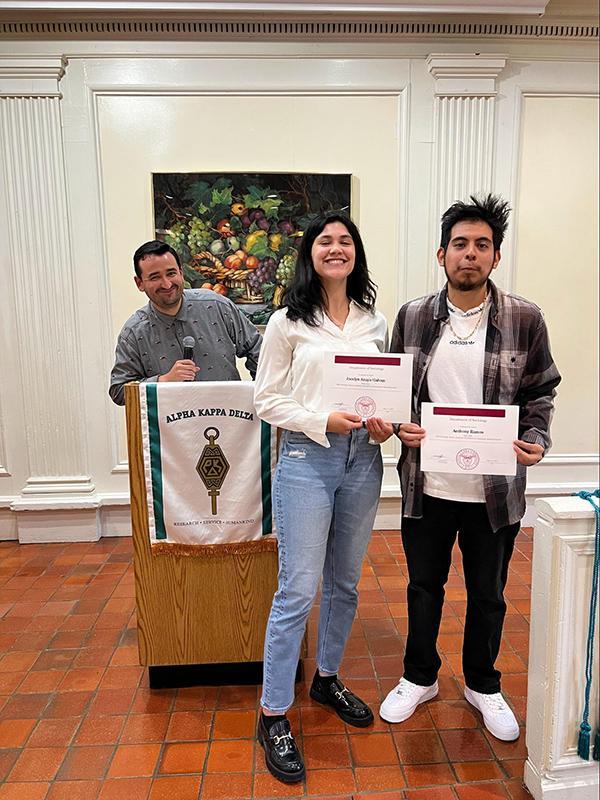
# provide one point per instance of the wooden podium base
(249, 673)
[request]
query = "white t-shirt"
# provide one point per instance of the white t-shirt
(455, 375)
(289, 380)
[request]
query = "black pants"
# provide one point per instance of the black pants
(428, 546)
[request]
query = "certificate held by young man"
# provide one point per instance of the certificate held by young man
(369, 385)
(469, 438)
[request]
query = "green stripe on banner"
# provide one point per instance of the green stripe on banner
(265, 474)
(155, 461)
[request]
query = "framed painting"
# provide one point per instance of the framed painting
(238, 234)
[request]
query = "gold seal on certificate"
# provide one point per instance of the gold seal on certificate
(469, 439)
(377, 385)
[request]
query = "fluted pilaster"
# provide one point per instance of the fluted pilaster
(42, 274)
(464, 124)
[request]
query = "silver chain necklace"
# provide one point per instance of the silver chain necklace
(477, 324)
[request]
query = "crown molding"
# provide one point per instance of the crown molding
(462, 75)
(355, 29)
(279, 8)
(32, 66)
(31, 75)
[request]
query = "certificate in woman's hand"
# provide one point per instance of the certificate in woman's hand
(378, 385)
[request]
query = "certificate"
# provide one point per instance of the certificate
(369, 385)
(469, 439)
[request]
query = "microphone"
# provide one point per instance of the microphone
(188, 347)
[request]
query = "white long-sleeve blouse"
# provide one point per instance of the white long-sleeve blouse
(289, 379)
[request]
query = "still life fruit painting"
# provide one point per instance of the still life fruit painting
(238, 234)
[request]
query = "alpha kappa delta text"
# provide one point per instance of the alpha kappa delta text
(209, 412)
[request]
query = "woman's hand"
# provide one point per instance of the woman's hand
(379, 430)
(341, 422)
(411, 434)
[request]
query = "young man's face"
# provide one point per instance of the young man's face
(469, 257)
(162, 281)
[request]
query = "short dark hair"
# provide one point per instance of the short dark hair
(491, 209)
(153, 248)
(304, 296)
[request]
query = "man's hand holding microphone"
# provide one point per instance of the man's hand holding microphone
(185, 369)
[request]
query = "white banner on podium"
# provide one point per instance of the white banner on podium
(208, 463)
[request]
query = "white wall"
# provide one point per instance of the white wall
(557, 251)
(380, 111)
(233, 133)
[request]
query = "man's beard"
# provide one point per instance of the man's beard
(167, 302)
(468, 283)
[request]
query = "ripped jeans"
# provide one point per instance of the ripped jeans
(324, 501)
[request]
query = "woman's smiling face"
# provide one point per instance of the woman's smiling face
(333, 253)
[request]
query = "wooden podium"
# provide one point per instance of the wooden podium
(194, 610)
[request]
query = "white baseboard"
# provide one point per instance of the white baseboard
(577, 782)
(58, 525)
(389, 512)
(8, 521)
(115, 520)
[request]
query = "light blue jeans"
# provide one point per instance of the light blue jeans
(324, 501)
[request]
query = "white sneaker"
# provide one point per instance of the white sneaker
(498, 717)
(402, 701)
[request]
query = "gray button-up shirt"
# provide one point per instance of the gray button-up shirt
(150, 342)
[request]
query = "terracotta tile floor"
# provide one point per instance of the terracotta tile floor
(78, 720)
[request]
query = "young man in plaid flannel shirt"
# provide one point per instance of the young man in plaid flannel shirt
(471, 343)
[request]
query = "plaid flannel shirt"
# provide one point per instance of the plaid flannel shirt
(518, 370)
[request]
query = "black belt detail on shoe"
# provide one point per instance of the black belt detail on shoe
(282, 756)
(347, 705)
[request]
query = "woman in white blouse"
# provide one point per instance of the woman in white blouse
(328, 477)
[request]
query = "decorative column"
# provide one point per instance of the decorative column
(563, 557)
(57, 501)
(465, 91)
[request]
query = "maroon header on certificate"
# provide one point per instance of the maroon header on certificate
(444, 411)
(384, 361)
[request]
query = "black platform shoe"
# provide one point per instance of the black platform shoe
(282, 757)
(348, 706)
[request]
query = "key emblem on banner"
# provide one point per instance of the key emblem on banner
(212, 467)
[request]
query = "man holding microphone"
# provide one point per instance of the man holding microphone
(158, 341)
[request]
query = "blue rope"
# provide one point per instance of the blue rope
(583, 744)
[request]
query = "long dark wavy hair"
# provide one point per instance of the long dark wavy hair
(304, 297)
